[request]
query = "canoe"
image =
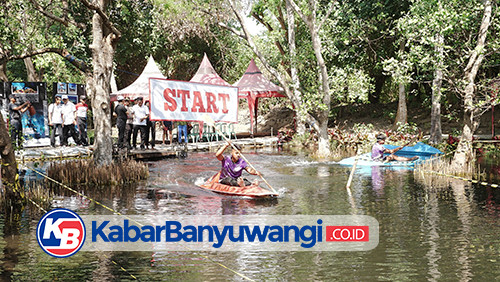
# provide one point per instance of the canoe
(366, 160)
(253, 191)
(420, 149)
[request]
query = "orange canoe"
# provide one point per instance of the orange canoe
(254, 191)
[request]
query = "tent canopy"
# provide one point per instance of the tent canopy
(140, 87)
(254, 83)
(207, 74)
(252, 86)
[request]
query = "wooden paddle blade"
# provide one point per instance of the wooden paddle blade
(208, 120)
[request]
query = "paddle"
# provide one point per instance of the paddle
(208, 120)
(348, 186)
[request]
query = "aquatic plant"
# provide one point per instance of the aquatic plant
(87, 172)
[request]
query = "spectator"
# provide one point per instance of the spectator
(16, 126)
(55, 121)
(129, 127)
(141, 113)
(182, 131)
(81, 120)
(150, 129)
(69, 121)
(121, 121)
(167, 130)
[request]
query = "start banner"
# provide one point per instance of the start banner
(187, 101)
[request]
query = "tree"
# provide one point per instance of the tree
(472, 108)
(9, 165)
(104, 39)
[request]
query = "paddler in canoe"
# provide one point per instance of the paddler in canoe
(233, 166)
(378, 151)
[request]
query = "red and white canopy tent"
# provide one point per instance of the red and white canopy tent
(252, 86)
(207, 74)
(140, 87)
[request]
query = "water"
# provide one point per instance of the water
(428, 231)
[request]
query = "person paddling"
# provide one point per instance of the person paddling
(378, 151)
(233, 166)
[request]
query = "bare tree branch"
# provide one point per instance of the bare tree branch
(65, 21)
(327, 15)
(299, 12)
(233, 30)
(61, 51)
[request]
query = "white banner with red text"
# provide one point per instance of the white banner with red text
(188, 101)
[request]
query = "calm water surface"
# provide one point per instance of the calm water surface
(429, 230)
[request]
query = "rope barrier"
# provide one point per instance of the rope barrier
(483, 183)
(118, 213)
(53, 158)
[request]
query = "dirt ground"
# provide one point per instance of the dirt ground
(376, 114)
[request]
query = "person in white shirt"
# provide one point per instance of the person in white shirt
(140, 114)
(55, 121)
(69, 121)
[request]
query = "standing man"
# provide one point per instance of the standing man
(121, 121)
(81, 120)
(69, 122)
(16, 126)
(129, 127)
(150, 128)
(55, 121)
(141, 113)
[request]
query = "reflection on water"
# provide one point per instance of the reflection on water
(429, 230)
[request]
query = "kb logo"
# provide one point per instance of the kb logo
(60, 233)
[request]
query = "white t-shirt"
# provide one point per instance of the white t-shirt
(139, 113)
(55, 111)
(68, 113)
(81, 110)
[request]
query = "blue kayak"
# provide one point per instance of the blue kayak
(420, 149)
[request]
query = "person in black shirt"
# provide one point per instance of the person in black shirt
(151, 128)
(16, 127)
(121, 120)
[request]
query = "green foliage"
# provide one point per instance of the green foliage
(409, 128)
(24, 29)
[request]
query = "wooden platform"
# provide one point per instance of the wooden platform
(168, 151)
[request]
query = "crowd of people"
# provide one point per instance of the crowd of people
(133, 118)
(68, 120)
(65, 120)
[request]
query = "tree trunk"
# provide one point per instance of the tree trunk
(323, 142)
(295, 97)
(9, 165)
(464, 154)
(295, 83)
(402, 115)
(30, 70)
(98, 86)
(3, 72)
(436, 134)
